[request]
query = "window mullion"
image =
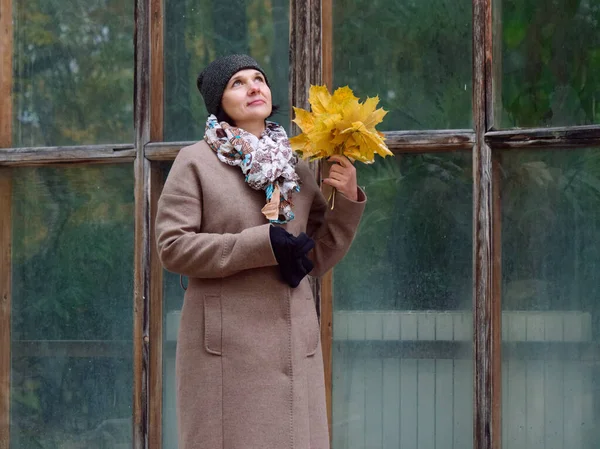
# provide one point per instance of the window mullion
(141, 284)
(155, 313)
(486, 221)
(5, 304)
(6, 69)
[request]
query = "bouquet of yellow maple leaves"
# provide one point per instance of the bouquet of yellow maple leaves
(339, 124)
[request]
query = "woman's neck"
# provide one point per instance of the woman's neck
(253, 127)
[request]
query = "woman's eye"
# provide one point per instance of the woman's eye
(236, 83)
(260, 78)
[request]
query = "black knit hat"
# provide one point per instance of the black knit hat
(213, 79)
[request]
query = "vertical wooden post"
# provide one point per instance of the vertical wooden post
(156, 319)
(310, 63)
(155, 377)
(305, 65)
(6, 67)
(157, 70)
(327, 280)
(486, 295)
(305, 51)
(5, 304)
(141, 283)
(496, 364)
(327, 42)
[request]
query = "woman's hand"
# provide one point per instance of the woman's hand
(342, 176)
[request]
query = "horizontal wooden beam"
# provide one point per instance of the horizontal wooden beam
(429, 141)
(563, 137)
(121, 349)
(164, 151)
(397, 141)
(71, 154)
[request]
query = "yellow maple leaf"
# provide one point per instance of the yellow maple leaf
(319, 99)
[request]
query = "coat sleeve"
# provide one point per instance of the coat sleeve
(333, 230)
(183, 249)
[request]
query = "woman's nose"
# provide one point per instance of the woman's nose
(254, 88)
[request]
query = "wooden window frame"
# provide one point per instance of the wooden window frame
(311, 62)
(6, 65)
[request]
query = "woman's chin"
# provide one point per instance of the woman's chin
(256, 115)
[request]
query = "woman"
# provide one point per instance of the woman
(249, 366)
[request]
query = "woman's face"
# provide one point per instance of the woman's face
(247, 98)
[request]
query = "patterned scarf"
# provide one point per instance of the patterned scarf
(268, 163)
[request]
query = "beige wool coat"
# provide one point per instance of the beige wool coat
(249, 364)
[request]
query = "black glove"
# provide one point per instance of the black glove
(290, 253)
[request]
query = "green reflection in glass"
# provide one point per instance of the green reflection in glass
(59, 402)
(402, 319)
(551, 224)
(550, 63)
(173, 302)
(73, 253)
(72, 315)
(415, 55)
(550, 291)
(413, 247)
(198, 32)
(73, 72)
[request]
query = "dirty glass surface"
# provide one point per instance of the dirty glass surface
(72, 296)
(415, 55)
(73, 72)
(550, 298)
(197, 32)
(547, 69)
(402, 318)
(173, 302)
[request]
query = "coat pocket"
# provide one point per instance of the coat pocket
(213, 324)
(314, 334)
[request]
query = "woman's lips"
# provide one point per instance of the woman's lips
(256, 102)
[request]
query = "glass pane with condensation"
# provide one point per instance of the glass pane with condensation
(72, 296)
(73, 72)
(415, 55)
(173, 291)
(402, 317)
(547, 64)
(198, 32)
(550, 299)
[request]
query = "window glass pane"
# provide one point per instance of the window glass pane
(72, 274)
(416, 55)
(173, 302)
(550, 291)
(402, 320)
(198, 32)
(549, 56)
(73, 72)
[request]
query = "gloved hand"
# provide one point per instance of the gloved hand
(290, 253)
